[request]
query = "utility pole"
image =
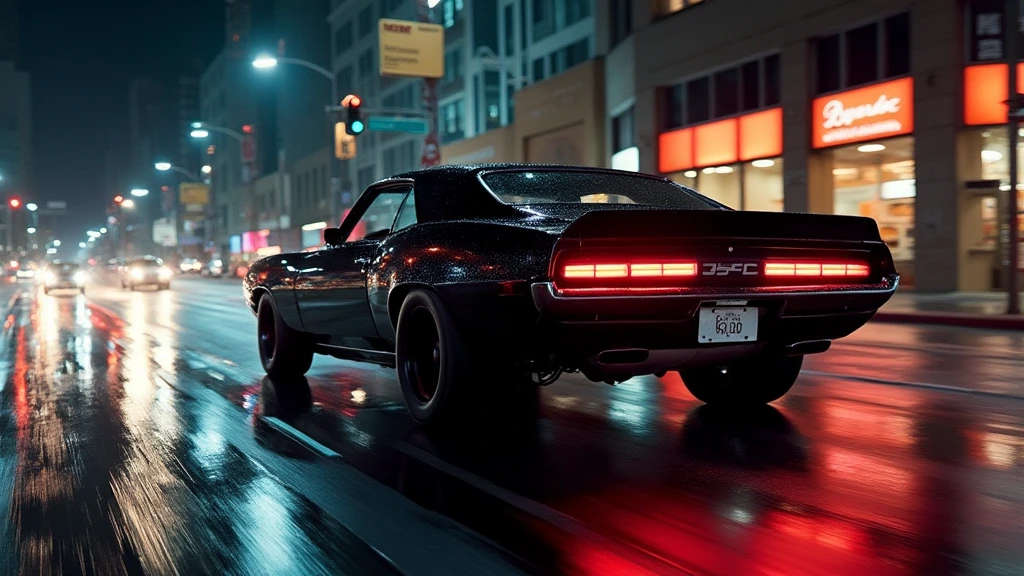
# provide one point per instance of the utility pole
(431, 143)
(1012, 28)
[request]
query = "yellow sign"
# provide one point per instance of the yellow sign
(344, 143)
(193, 193)
(411, 49)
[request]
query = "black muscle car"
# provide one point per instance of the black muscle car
(473, 278)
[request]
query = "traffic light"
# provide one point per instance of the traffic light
(353, 121)
(118, 199)
(14, 202)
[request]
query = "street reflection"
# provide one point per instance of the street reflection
(757, 437)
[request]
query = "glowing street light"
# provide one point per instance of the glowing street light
(265, 62)
(140, 192)
(433, 3)
(32, 206)
(93, 234)
(199, 133)
(207, 169)
(128, 203)
(31, 230)
(103, 230)
(82, 244)
(163, 166)
(56, 242)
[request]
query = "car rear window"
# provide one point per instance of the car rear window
(524, 187)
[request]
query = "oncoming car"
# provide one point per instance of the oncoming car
(64, 276)
(146, 271)
(477, 279)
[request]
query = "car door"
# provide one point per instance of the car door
(331, 286)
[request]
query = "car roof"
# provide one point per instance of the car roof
(435, 186)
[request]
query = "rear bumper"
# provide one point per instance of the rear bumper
(580, 328)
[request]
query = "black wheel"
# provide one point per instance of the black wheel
(284, 351)
(757, 380)
(432, 358)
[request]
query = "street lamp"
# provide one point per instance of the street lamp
(202, 130)
(165, 166)
(103, 230)
(140, 192)
(199, 133)
(32, 206)
(264, 62)
(31, 230)
(56, 242)
(82, 244)
(433, 3)
(207, 169)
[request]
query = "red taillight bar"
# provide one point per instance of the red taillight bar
(631, 270)
(816, 269)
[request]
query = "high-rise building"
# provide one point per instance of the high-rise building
(15, 130)
(9, 36)
(188, 155)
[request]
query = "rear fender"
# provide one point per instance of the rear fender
(477, 255)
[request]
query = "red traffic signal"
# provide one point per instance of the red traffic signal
(353, 119)
(118, 199)
(14, 202)
(352, 101)
(247, 129)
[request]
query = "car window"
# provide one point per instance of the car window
(407, 215)
(522, 187)
(380, 215)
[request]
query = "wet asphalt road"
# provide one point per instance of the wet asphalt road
(138, 436)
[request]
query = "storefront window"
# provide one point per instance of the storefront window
(877, 179)
(753, 185)
(995, 165)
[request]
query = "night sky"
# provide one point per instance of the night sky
(82, 54)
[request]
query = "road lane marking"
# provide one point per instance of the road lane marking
(641, 556)
(299, 436)
(923, 385)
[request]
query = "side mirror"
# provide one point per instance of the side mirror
(332, 236)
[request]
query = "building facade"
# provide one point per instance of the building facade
(892, 109)
(15, 130)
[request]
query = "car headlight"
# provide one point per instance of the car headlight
(81, 277)
(137, 274)
(165, 272)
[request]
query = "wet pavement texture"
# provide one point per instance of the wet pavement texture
(139, 436)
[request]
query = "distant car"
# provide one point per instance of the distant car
(146, 271)
(190, 266)
(64, 276)
(497, 276)
(214, 267)
(25, 268)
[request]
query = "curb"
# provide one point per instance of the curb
(952, 319)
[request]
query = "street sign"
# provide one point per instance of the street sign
(397, 124)
(193, 193)
(413, 49)
(57, 205)
(248, 148)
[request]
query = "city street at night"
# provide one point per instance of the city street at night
(139, 435)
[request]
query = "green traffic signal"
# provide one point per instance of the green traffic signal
(357, 127)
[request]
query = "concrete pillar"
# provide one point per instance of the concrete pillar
(938, 78)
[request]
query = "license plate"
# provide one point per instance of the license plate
(727, 324)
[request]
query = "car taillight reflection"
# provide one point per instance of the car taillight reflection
(816, 269)
(634, 270)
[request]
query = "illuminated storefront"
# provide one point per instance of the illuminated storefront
(728, 145)
(866, 135)
(984, 150)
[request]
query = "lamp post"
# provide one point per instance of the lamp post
(265, 62)
(166, 166)
(202, 130)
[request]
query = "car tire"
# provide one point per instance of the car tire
(432, 359)
(754, 381)
(284, 351)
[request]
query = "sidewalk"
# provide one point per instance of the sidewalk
(968, 309)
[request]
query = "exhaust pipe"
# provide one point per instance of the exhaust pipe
(809, 347)
(628, 356)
